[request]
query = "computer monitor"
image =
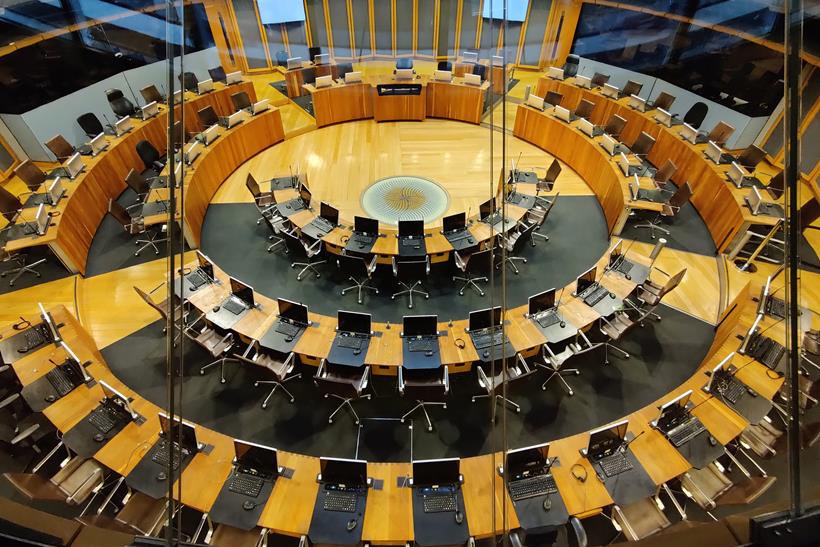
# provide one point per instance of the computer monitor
(439, 472)
(713, 152)
(609, 90)
(637, 103)
(623, 163)
(55, 191)
(117, 398)
(98, 144)
(616, 252)
(294, 62)
(150, 110)
(235, 118)
(671, 413)
(411, 228)
(754, 200)
(562, 114)
(632, 88)
(74, 166)
(323, 81)
(171, 430)
(205, 264)
(635, 187)
(242, 291)
(777, 186)
(535, 101)
(599, 79)
(542, 301)
(205, 86)
(351, 473)
(454, 223)
(365, 225)
(329, 213)
(472, 79)
(530, 460)
(664, 100)
(555, 73)
(583, 82)
(210, 134)
(585, 279)
(233, 77)
(404, 74)
(721, 133)
(469, 56)
(257, 457)
(419, 325)
(192, 152)
(52, 326)
(606, 440)
(260, 106)
(322, 59)
(293, 311)
(351, 321)
(305, 194)
(443, 75)
(610, 144)
(41, 220)
(663, 117)
(737, 173)
(484, 319)
(643, 144)
(717, 372)
(750, 157)
(688, 133)
(353, 77)
(486, 208)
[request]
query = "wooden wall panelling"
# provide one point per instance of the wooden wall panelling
(564, 15)
(227, 43)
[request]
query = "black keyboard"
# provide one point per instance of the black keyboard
(530, 487)
(624, 267)
(549, 319)
(234, 305)
(350, 342)
(246, 484)
(287, 329)
(161, 454)
(323, 224)
(483, 340)
(197, 279)
(412, 243)
(766, 350)
(615, 464)
(493, 219)
(776, 307)
(104, 418)
(60, 381)
(440, 503)
(36, 336)
(592, 297)
(686, 431)
(340, 501)
(457, 235)
(423, 344)
(730, 388)
(359, 239)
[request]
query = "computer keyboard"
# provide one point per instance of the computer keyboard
(598, 293)
(615, 464)
(493, 219)
(197, 279)
(340, 501)
(323, 224)
(776, 307)
(486, 339)
(685, 431)
(234, 305)
(548, 319)
(287, 329)
(36, 336)
(350, 342)
(359, 239)
(624, 267)
(530, 487)
(440, 503)
(161, 453)
(246, 484)
(730, 388)
(104, 418)
(412, 243)
(423, 344)
(766, 350)
(60, 381)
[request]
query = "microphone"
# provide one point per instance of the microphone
(133, 95)
(162, 87)
(625, 445)
(108, 122)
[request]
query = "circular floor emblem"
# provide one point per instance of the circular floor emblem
(405, 198)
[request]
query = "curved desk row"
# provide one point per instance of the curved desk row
(719, 204)
(86, 203)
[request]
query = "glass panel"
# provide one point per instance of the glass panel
(248, 23)
(316, 15)
(340, 29)
(404, 27)
(382, 22)
(470, 13)
(536, 28)
(361, 24)
(6, 157)
(426, 27)
(447, 17)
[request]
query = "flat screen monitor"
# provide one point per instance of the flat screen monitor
(717, 373)
(256, 456)
(260, 106)
(454, 222)
(150, 110)
(305, 194)
(420, 325)
(123, 126)
(541, 302)
(329, 213)
(274, 12)
(583, 81)
(323, 81)
(351, 473)
(117, 398)
(616, 252)
(293, 311)
(74, 362)
(522, 462)
(211, 134)
(52, 326)
(664, 100)
(353, 77)
(497, 60)
(736, 174)
(440, 472)
(74, 166)
(242, 291)
(688, 133)
(205, 264)
(535, 101)
(484, 319)
(606, 440)
(663, 117)
(585, 279)
(472, 79)
(404, 73)
(55, 191)
(586, 127)
(673, 412)
(599, 79)
(411, 228)
(233, 77)
(322, 59)
(562, 114)
(713, 152)
(172, 431)
(192, 152)
(469, 56)
(351, 321)
(609, 90)
(235, 118)
(486, 208)
(365, 225)
(294, 63)
(41, 220)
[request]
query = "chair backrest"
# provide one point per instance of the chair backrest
(252, 186)
(217, 74)
(480, 261)
(554, 98)
(294, 243)
(343, 68)
(137, 182)
(425, 384)
(120, 105)
(282, 57)
(313, 52)
(147, 153)
(480, 69)
(404, 63)
(189, 81)
(584, 109)
(150, 301)
(60, 147)
(352, 265)
(90, 124)
(411, 270)
(681, 195)
(207, 117)
(665, 173)
(696, 114)
(343, 381)
(673, 282)
(31, 175)
(524, 236)
(552, 172)
(119, 213)
(571, 66)
(9, 204)
(445, 65)
(151, 94)
(551, 205)
(240, 100)
(809, 212)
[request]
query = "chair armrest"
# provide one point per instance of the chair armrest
(619, 519)
(578, 529)
(25, 434)
(372, 266)
(460, 262)
(524, 364)
(482, 378)
(313, 247)
(515, 541)
(427, 264)
(446, 379)
(401, 381)
(321, 370)
(365, 378)
(8, 400)
(395, 268)
(158, 166)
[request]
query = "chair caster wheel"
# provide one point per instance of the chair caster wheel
(202, 373)
(376, 291)
(401, 420)
(570, 393)
(136, 254)
(543, 388)
(427, 297)
(461, 293)
(525, 261)
(430, 429)
(444, 407)
(392, 298)
(357, 422)
(292, 265)
(291, 400)
(222, 380)
(318, 276)
(626, 356)
(156, 253)
(330, 420)
(264, 406)
(256, 384)
(410, 306)
(577, 372)
(481, 294)
(518, 411)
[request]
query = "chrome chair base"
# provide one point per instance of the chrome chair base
(470, 281)
(276, 384)
(422, 405)
(345, 403)
(359, 287)
(409, 290)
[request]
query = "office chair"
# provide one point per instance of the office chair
(557, 537)
(215, 342)
(409, 274)
(277, 363)
(404, 63)
(119, 104)
(571, 66)
(554, 362)
(513, 241)
(60, 147)
(90, 124)
(140, 514)
(663, 176)
(640, 519)
(135, 225)
(342, 382)
(355, 268)
(546, 184)
(207, 117)
(31, 175)
(265, 201)
(670, 210)
(72, 484)
(650, 294)
(188, 81)
(445, 65)
(696, 114)
(342, 69)
(282, 58)
(538, 215)
(476, 266)
(151, 158)
(711, 487)
(180, 313)
(302, 247)
(10, 206)
(140, 185)
(615, 329)
(516, 369)
(313, 52)
(151, 94)
(277, 225)
(217, 74)
(22, 267)
(481, 70)
(240, 100)
(553, 98)
(427, 387)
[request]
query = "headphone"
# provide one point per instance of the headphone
(578, 476)
(460, 343)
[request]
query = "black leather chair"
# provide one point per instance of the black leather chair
(514, 243)
(207, 117)
(309, 75)
(90, 124)
(10, 205)
(217, 74)
(313, 52)
(696, 114)
(571, 66)
(150, 157)
(476, 267)
(357, 268)
(282, 58)
(188, 81)
(342, 69)
(445, 65)
(410, 274)
(427, 387)
(240, 100)
(301, 247)
(343, 382)
(135, 225)
(143, 185)
(279, 365)
(404, 63)
(120, 105)
(481, 70)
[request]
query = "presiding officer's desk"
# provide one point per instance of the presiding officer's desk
(81, 211)
(342, 102)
